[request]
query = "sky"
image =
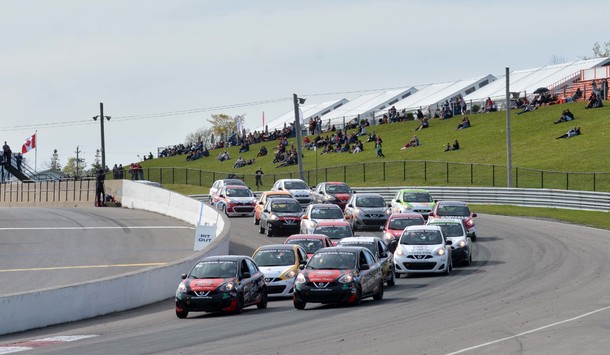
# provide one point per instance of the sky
(162, 68)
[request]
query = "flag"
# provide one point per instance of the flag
(29, 144)
(263, 119)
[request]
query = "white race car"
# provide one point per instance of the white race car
(423, 249)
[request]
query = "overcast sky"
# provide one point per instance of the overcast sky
(161, 68)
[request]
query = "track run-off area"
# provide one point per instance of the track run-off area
(536, 286)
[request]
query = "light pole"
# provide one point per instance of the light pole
(297, 126)
(101, 115)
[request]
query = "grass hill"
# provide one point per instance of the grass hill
(533, 147)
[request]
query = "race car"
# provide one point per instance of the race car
(318, 212)
(366, 210)
(456, 209)
(412, 201)
(297, 188)
(280, 264)
(219, 184)
(262, 200)
(423, 249)
(280, 215)
(310, 242)
(397, 222)
(339, 275)
(462, 247)
(221, 283)
(335, 230)
(236, 200)
(332, 192)
(379, 249)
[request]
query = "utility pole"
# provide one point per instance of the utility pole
(77, 162)
(509, 154)
(103, 148)
(297, 126)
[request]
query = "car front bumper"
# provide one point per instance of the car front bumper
(337, 293)
(410, 264)
(219, 301)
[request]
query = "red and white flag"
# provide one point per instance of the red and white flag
(29, 144)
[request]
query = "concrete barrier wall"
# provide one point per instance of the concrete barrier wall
(118, 293)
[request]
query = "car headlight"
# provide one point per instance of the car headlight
(229, 286)
(440, 252)
(300, 279)
(347, 278)
(182, 288)
(399, 252)
(462, 243)
(470, 223)
(388, 211)
(230, 201)
(330, 198)
(274, 217)
(288, 274)
(388, 237)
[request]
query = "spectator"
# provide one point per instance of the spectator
(570, 133)
(18, 160)
(420, 115)
(577, 95)
(456, 145)
(414, 142)
(566, 116)
(245, 147)
(239, 163)
(223, 156)
(7, 153)
(490, 106)
(594, 101)
(424, 123)
(358, 147)
(604, 89)
(464, 124)
(526, 107)
(259, 177)
(262, 152)
(362, 131)
(372, 137)
(448, 147)
(99, 188)
(379, 148)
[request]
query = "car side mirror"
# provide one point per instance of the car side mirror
(246, 275)
(474, 215)
(383, 255)
(349, 205)
(183, 276)
(448, 242)
(302, 267)
(266, 210)
(353, 192)
(389, 205)
(280, 188)
(221, 196)
(302, 262)
(365, 267)
(261, 203)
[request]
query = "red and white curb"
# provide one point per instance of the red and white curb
(38, 343)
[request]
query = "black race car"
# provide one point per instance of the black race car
(337, 275)
(280, 215)
(221, 283)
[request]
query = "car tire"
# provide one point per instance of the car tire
(473, 237)
(182, 314)
(256, 221)
(379, 295)
(269, 231)
(448, 269)
(261, 230)
(264, 300)
(358, 299)
(392, 279)
(224, 210)
(468, 260)
(298, 304)
(240, 305)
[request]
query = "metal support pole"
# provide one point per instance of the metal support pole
(297, 126)
(509, 158)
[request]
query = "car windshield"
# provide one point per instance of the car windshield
(451, 229)
(274, 257)
(332, 260)
(402, 223)
(416, 197)
(453, 210)
(369, 245)
(370, 201)
(296, 185)
(421, 237)
(334, 232)
(286, 206)
(326, 213)
(310, 245)
(239, 193)
(217, 269)
(338, 189)
(234, 182)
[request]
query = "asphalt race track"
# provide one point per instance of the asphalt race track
(535, 287)
(49, 247)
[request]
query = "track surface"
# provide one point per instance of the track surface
(536, 287)
(44, 247)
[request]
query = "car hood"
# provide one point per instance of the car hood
(289, 214)
(323, 275)
(300, 193)
(374, 210)
(206, 284)
(276, 271)
(418, 205)
(242, 199)
(420, 249)
(341, 197)
(395, 232)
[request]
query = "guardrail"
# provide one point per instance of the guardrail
(567, 199)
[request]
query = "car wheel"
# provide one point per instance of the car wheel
(256, 221)
(224, 210)
(269, 231)
(379, 295)
(354, 227)
(298, 304)
(448, 270)
(358, 299)
(392, 279)
(240, 304)
(468, 260)
(261, 230)
(264, 300)
(181, 314)
(474, 237)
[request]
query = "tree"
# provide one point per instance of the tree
(203, 135)
(55, 161)
(96, 164)
(555, 59)
(74, 168)
(223, 125)
(601, 51)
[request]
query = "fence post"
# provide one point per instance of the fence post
(186, 176)
(161, 176)
(404, 170)
(173, 175)
(326, 174)
(364, 172)
(516, 177)
(542, 179)
(567, 181)
(199, 177)
(345, 173)
(384, 171)
(594, 182)
(471, 174)
(425, 170)
(493, 175)
(447, 172)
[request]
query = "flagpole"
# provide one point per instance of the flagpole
(36, 152)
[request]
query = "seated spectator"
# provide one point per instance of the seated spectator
(571, 133)
(526, 106)
(490, 106)
(577, 95)
(594, 101)
(345, 148)
(456, 145)
(239, 163)
(206, 152)
(262, 152)
(420, 115)
(245, 147)
(464, 124)
(358, 147)
(414, 142)
(424, 123)
(566, 116)
(448, 147)
(223, 156)
(362, 131)
(372, 137)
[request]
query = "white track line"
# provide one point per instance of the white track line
(81, 228)
(529, 331)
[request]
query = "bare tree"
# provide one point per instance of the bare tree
(202, 135)
(602, 50)
(555, 59)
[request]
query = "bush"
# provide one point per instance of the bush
(410, 116)
(475, 108)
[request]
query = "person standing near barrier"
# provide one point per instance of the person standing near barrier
(7, 153)
(259, 177)
(99, 188)
(18, 161)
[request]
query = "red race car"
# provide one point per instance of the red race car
(310, 242)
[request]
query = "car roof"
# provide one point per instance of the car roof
(332, 223)
(411, 215)
(352, 249)
(414, 190)
(368, 194)
(307, 236)
(232, 181)
(237, 187)
(290, 180)
(359, 239)
(324, 205)
(452, 203)
(445, 221)
(277, 246)
(283, 199)
(334, 183)
(423, 227)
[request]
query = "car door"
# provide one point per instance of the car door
(374, 273)
(385, 258)
(246, 282)
(306, 222)
(316, 194)
(258, 280)
(396, 202)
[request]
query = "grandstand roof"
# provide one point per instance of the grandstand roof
(309, 110)
(527, 81)
(366, 105)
